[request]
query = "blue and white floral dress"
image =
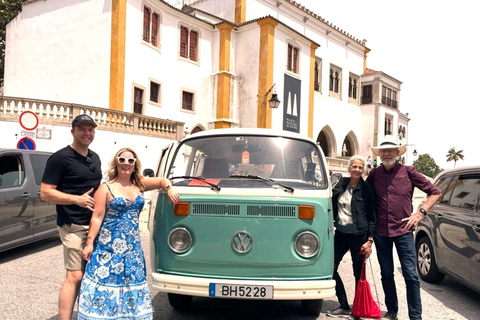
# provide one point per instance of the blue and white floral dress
(115, 282)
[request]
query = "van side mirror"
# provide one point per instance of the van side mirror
(148, 173)
(336, 179)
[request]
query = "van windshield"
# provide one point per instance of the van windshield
(229, 161)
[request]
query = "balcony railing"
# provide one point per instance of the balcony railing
(60, 113)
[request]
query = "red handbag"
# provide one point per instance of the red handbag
(363, 304)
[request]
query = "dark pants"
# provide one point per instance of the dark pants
(405, 246)
(344, 242)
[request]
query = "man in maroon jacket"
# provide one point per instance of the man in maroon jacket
(394, 184)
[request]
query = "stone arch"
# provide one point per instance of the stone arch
(350, 145)
(196, 128)
(326, 140)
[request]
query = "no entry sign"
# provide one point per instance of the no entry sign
(26, 143)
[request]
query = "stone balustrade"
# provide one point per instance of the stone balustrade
(337, 164)
(60, 113)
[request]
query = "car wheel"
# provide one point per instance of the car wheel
(179, 301)
(426, 263)
(312, 307)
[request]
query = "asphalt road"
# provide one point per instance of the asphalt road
(31, 276)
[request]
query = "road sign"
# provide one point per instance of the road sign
(28, 120)
(26, 143)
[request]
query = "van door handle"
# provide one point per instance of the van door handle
(476, 227)
(439, 216)
(26, 195)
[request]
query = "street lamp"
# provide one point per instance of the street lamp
(273, 102)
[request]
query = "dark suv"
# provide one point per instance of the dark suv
(448, 238)
(24, 217)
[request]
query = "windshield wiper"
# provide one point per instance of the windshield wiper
(213, 185)
(271, 182)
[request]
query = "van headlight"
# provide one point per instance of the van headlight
(307, 244)
(179, 240)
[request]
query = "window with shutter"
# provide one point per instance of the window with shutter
(193, 45)
(187, 101)
(138, 101)
(146, 24)
(183, 42)
(154, 29)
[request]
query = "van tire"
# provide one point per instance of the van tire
(179, 302)
(426, 263)
(312, 307)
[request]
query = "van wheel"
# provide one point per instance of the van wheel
(312, 307)
(426, 264)
(179, 302)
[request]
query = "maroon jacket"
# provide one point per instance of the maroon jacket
(394, 190)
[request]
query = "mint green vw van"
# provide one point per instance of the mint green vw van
(254, 219)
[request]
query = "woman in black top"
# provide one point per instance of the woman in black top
(355, 220)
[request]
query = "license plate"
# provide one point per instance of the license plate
(235, 291)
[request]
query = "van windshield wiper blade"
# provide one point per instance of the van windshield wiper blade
(271, 182)
(213, 185)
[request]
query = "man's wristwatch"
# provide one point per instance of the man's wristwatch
(423, 211)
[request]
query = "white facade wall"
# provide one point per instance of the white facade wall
(144, 62)
(55, 53)
(247, 59)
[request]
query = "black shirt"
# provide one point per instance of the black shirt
(75, 174)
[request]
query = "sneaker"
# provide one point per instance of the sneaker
(390, 316)
(340, 313)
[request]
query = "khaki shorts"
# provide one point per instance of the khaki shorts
(73, 237)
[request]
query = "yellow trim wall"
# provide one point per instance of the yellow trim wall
(117, 54)
(224, 77)
(265, 70)
(240, 11)
(311, 90)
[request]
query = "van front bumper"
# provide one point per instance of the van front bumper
(282, 289)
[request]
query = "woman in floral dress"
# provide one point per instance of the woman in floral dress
(115, 282)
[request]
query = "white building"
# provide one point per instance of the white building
(150, 71)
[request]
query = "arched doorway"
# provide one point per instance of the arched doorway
(326, 140)
(350, 145)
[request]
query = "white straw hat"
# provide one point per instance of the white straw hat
(389, 143)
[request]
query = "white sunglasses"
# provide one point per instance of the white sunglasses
(123, 160)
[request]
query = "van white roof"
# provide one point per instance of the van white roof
(249, 131)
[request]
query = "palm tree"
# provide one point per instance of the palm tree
(454, 155)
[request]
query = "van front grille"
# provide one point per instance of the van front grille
(216, 209)
(234, 210)
(272, 211)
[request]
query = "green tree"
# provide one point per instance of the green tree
(454, 156)
(9, 9)
(427, 165)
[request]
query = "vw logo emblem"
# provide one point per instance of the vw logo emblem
(242, 242)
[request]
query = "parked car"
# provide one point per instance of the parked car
(254, 222)
(448, 238)
(24, 217)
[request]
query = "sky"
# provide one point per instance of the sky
(432, 48)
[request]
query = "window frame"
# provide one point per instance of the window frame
(293, 58)
(189, 43)
(159, 93)
(353, 88)
(143, 104)
(193, 104)
(367, 93)
(389, 97)
(335, 82)
(148, 35)
(317, 86)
